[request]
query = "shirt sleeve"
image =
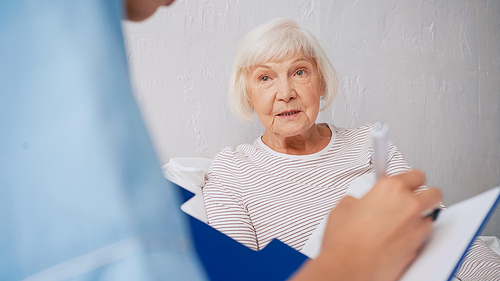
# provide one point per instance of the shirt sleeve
(227, 214)
(396, 163)
(480, 263)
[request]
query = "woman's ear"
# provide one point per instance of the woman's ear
(322, 86)
(249, 101)
(247, 90)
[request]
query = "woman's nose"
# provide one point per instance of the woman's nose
(285, 91)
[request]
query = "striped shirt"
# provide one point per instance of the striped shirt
(480, 264)
(254, 194)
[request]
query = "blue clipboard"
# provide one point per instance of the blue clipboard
(227, 259)
(479, 230)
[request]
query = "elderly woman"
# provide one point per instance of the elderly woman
(287, 181)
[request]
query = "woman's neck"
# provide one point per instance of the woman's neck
(309, 142)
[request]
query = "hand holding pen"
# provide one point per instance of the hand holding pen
(379, 134)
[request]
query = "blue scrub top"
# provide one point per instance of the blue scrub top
(82, 196)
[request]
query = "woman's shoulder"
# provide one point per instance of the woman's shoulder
(233, 155)
(362, 132)
(242, 149)
(359, 137)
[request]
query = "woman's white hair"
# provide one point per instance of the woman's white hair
(274, 41)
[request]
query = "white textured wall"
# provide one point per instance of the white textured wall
(431, 69)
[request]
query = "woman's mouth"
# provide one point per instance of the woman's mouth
(288, 113)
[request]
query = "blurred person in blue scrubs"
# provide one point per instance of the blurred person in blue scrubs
(82, 196)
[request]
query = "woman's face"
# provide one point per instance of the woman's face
(138, 10)
(286, 94)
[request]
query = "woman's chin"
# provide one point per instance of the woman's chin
(289, 128)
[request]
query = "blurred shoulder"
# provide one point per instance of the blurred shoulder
(361, 133)
(231, 157)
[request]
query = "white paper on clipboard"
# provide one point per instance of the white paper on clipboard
(454, 231)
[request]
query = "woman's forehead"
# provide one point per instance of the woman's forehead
(289, 59)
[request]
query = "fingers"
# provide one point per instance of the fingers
(407, 183)
(412, 179)
(429, 199)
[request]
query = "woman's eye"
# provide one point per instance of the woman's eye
(264, 78)
(300, 72)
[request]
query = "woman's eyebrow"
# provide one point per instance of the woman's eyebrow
(261, 66)
(255, 67)
(301, 59)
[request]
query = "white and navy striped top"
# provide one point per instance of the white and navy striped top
(254, 194)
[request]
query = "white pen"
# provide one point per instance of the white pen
(380, 138)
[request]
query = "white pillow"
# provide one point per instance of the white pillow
(493, 242)
(189, 173)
